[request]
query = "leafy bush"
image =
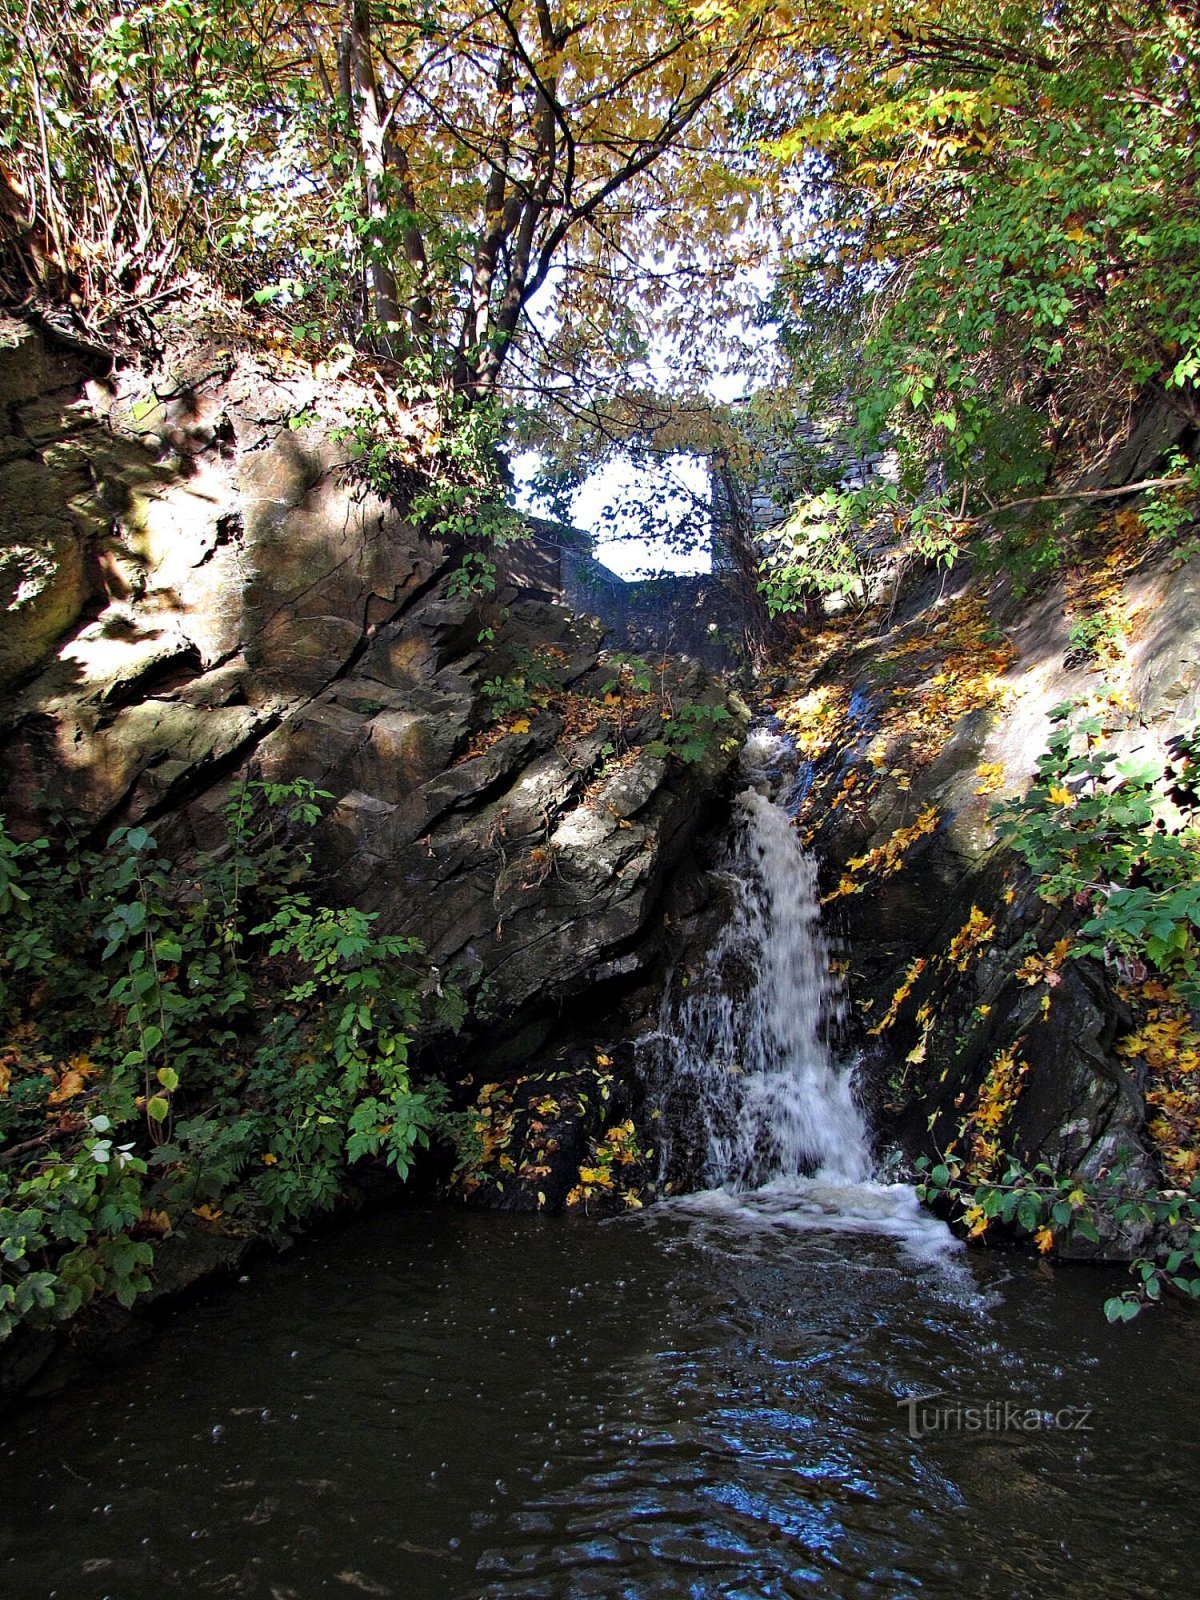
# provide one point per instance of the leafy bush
(994, 266)
(690, 731)
(634, 674)
(179, 1040)
(1036, 1203)
(1120, 836)
(522, 688)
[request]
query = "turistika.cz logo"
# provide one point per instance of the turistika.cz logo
(935, 1413)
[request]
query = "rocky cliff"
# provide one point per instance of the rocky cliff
(196, 586)
(981, 1032)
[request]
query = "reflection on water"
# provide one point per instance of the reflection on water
(701, 1401)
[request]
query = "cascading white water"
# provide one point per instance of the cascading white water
(780, 1104)
(753, 1037)
(750, 1081)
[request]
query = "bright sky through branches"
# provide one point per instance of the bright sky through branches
(681, 479)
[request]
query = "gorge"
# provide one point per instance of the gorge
(519, 1083)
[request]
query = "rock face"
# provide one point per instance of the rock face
(50, 513)
(964, 997)
(196, 588)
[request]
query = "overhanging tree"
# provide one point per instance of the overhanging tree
(416, 177)
(1003, 251)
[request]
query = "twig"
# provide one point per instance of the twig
(1087, 494)
(23, 1149)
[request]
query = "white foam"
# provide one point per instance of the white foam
(764, 754)
(822, 1205)
(773, 1099)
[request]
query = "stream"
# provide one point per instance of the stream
(792, 1383)
(702, 1401)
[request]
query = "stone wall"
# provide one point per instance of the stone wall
(694, 615)
(795, 456)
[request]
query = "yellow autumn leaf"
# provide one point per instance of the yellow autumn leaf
(1059, 796)
(68, 1086)
(1044, 1239)
(268, 1160)
(207, 1213)
(521, 725)
(991, 777)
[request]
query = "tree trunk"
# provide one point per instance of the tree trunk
(366, 118)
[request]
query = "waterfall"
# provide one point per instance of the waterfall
(750, 1048)
(754, 1103)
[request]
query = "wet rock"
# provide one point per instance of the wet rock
(938, 1008)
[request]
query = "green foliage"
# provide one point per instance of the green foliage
(1030, 553)
(1117, 837)
(1035, 1203)
(1165, 513)
(65, 1232)
(506, 696)
(633, 672)
(825, 548)
(345, 1093)
(207, 1038)
(474, 576)
(691, 731)
(1120, 837)
(120, 125)
(1093, 631)
(1005, 221)
(519, 689)
(455, 494)
(843, 541)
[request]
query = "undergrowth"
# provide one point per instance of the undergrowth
(1118, 838)
(189, 1042)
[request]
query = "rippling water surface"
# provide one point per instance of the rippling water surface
(700, 1401)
